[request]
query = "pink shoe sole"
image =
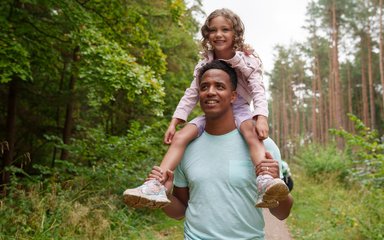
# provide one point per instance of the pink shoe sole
(136, 199)
(278, 191)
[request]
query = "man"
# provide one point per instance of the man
(215, 184)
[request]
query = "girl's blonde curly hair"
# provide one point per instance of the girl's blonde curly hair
(238, 28)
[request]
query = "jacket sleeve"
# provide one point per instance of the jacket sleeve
(190, 98)
(250, 68)
(256, 85)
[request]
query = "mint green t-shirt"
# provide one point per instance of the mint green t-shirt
(222, 187)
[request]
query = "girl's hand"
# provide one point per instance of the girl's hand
(158, 174)
(168, 136)
(262, 128)
(165, 178)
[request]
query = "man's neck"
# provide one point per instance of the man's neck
(220, 126)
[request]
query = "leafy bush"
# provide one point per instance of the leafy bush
(120, 161)
(328, 210)
(366, 151)
(76, 211)
(320, 162)
(81, 198)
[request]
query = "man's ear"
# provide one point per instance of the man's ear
(234, 96)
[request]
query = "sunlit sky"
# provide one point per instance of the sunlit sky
(267, 23)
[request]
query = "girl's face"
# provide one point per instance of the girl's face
(221, 35)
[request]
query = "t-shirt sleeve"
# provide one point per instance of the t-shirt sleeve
(274, 150)
(179, 178)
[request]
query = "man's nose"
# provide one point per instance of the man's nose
(211, 90)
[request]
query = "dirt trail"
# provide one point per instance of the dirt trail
(274, 228)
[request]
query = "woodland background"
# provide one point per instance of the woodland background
(87, 89)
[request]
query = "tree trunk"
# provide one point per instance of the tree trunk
(314, 105)
(350, 110)
(381, 50)
(370, 80)
(10, 132)
(331, 93)
(285, 125)
(277, 129)
(68, 124)
(364, 95)
(323, 119)
(339, 113)
(58, 110)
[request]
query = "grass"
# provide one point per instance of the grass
(57, 213)
(327, 209)
(325, 206)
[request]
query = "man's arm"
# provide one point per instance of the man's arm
(270, 166)
(179, 201)
(179, 197)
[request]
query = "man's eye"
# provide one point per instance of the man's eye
(202, 88)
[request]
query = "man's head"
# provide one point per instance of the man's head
(218, 64)
(217, 84)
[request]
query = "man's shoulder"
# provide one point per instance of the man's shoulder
(272, 148)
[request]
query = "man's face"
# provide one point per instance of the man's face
(216, 93)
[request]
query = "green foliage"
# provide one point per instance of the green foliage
(106, 69)
(366, 151)
(121, 159)
(328, 210)
(76, 210)
(14, 58)
(81, 198)
(122, 58)
(319, 164)
(114, 53)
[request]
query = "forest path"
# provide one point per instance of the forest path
(274, 228)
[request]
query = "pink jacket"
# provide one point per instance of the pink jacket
(250, 85)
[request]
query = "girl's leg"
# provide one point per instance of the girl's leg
(176, 150)
(152, 193)
(270, 190)
(255, 145)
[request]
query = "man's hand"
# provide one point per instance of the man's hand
(268, 166)
(262, 128)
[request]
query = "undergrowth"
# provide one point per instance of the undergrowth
(329, 204)
(81, 198)
(66, 211)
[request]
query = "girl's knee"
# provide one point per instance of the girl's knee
(248, 130)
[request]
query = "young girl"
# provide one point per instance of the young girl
(222, 39)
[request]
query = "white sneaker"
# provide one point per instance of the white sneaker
(152, 194)
(270, 191)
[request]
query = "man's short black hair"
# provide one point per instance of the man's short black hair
(219, 64)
